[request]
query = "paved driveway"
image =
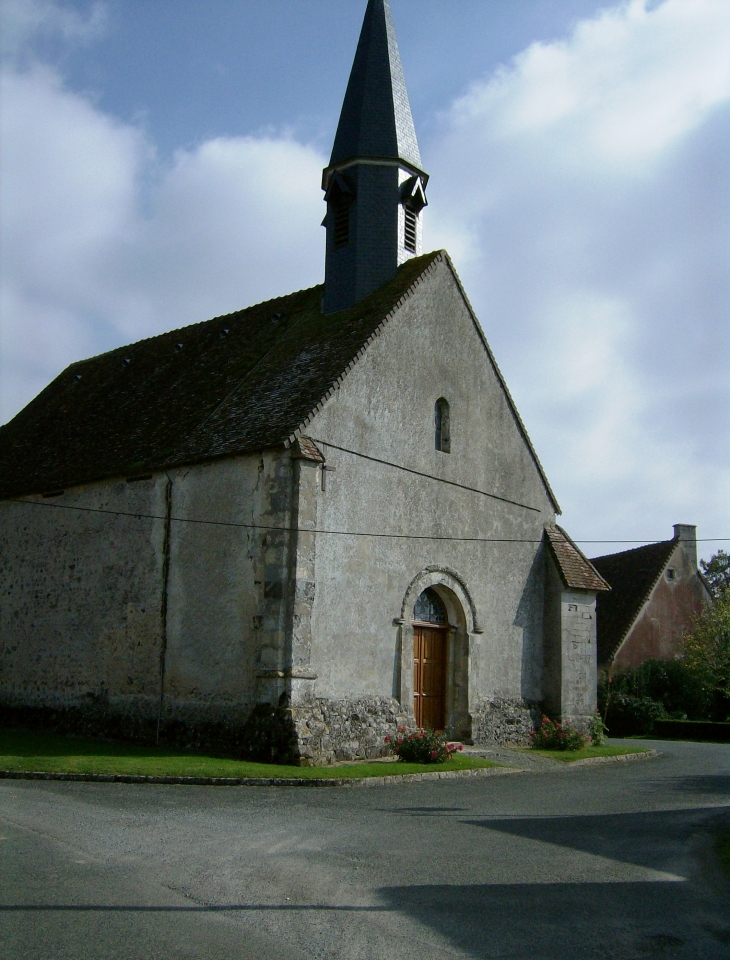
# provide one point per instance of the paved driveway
(596, 862)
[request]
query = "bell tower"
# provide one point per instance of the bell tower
(374, 186)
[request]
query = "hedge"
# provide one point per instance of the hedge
(692, 730)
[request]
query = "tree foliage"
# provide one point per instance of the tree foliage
(707, 645)
(632, 696)
(716, 572)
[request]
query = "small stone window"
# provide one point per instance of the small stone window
(411, 229)
(430, 608)
(671, 574)
(442, 423)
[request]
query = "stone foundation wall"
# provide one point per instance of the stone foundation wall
(504, 721)
(330, 730)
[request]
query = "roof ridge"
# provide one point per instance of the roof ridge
(644, 546)
(191, 326)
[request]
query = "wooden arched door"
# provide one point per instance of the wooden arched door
(430, 636)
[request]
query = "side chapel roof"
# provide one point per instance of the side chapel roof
(576, 570)
(633, 574)
(236, 384)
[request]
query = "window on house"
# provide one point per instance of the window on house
(430, 608)
(671, 574)
(442, 422)
(411, 229)
(342, 225)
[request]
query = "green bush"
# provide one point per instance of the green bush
(422, 746)
(552, 735)
(629, 700)
(597, 730)
(627, 715)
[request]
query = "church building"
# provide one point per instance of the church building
(320, 515)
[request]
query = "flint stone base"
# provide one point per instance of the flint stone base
(504, 721)
(332, 730)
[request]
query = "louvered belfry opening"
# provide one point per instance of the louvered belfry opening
(411, 230)
(342, 225)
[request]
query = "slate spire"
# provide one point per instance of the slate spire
(376, 118)
(374, 185)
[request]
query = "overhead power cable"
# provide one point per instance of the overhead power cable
(336, 533)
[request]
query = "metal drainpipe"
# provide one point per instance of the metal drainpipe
(163, 608)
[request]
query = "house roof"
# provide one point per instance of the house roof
(633, 574)
(576, 571)
(243, 382)
(376, 119)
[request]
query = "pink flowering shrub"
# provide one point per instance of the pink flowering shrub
(552, 735)
(422, 746)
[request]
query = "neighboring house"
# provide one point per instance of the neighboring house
(327, 502)
(656, 590)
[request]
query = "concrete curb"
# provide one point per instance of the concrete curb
(260, 781)
(620, 758)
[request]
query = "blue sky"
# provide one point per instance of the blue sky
(161, 165)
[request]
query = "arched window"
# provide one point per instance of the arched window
(442, 422)
(430, 608)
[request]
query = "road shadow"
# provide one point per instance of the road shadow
(568, 921)
(648, 839)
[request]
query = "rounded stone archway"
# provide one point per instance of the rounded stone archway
(461, 629)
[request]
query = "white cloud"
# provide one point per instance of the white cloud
(586, 183)
(101, 246)
(24, 21)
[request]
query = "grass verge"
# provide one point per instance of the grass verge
(48, 753)
(570, 756)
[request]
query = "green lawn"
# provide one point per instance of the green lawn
(569, 756)
(47, 753)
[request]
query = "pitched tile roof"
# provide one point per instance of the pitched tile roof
(633, 575)
(576, 571)
(233, 384)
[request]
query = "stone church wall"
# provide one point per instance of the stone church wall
(202, 604)
(132, 608)
(384, 476)
(570, 651)
(81, 608)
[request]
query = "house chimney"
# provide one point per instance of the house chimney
(686, 533)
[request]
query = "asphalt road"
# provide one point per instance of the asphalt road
(610, 861)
